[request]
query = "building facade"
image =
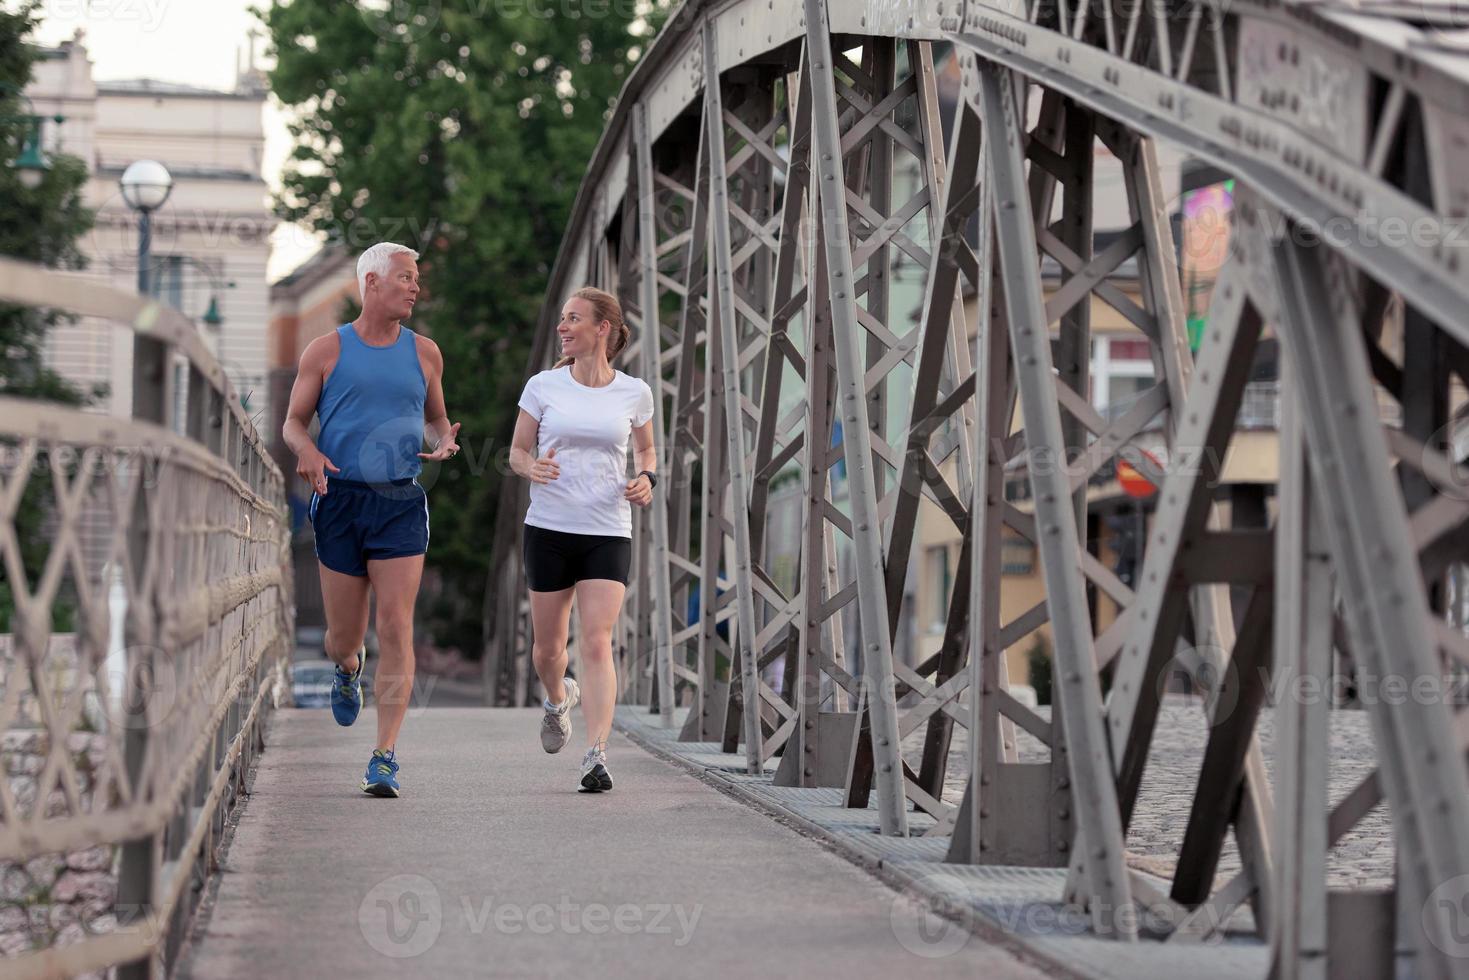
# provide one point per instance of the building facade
(211, 239)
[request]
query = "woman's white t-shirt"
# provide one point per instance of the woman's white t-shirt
(589, 429)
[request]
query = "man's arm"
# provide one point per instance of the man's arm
(437, 431)
(311, 465)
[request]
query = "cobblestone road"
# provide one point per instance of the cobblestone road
(1364, 857)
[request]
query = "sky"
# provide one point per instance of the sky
(197, 42)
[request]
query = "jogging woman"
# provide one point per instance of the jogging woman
(571, 443)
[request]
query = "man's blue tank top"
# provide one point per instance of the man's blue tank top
(371, 409)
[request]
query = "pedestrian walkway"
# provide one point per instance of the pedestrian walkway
(491, 864)
(1022, 904)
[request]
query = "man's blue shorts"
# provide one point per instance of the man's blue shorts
(360, 522)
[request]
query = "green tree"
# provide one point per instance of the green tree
(461, 128)
(43, 225)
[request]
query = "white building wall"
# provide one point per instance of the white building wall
(218, 214)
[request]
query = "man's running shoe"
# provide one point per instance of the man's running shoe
(556, 725)
(382, 774)
(347, 691)
(594, 775)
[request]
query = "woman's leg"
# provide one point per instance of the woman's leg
(550, 613)
(598, 602)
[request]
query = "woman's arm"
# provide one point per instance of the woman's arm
(523, 452)
(645, 455)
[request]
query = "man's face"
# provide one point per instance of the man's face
(397, 291)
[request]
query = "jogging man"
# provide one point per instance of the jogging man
(378, 389)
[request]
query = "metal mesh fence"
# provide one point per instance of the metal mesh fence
(144, 618)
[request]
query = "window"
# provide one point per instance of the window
(166, 280)
(1017, 555)
(941, 584)
(1128, 349)
(1122, 369)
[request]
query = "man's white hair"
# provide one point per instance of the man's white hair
(377, 259)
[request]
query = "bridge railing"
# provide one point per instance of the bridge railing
(144, 624)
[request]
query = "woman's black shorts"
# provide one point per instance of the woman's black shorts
(556, 560)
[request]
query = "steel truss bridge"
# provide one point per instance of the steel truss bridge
(750, 199)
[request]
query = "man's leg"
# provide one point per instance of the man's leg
(346, 602)
(599, 602)
(395, 582)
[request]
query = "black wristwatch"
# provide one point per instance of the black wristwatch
(652, 478)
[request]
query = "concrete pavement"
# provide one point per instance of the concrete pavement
(492, 864)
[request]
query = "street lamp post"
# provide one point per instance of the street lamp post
(145, 186)
(31, 165)
(212, 318)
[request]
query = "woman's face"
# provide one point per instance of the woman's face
(579, 332)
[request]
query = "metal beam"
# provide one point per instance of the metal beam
(877, 654)
(725, 325)
(1078, 689)
(653, 375)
